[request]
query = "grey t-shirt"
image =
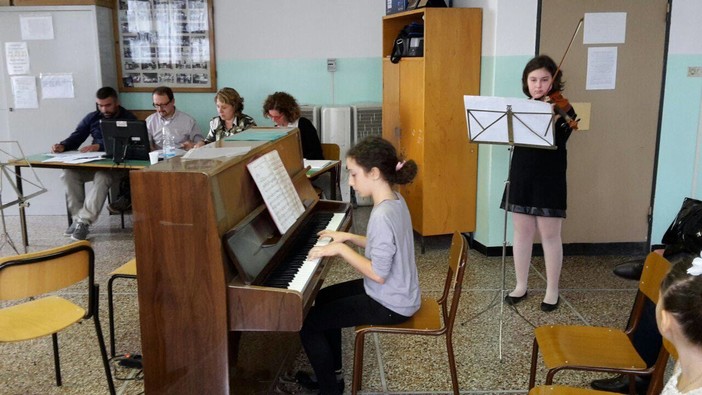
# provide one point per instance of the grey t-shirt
(390, 247)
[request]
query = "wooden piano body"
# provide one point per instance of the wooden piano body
(190, 297)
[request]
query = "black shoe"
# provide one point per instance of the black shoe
(512, 300)
(310, 382)
(620, 384)
(122, 204)
(548, 307)
(629, 270)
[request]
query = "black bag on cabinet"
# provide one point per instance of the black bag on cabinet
(409, 43)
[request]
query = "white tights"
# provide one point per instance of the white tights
(525, 227)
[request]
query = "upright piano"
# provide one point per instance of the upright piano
(197, 225)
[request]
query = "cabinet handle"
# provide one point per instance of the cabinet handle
(398, 132)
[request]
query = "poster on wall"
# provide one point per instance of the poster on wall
(165, 42)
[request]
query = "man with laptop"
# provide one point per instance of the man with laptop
(84, 209)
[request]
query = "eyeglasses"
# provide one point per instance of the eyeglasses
(161, 105)
(275, 117)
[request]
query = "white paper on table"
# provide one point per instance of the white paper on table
(215, 152)
(74, 157)
(316, 164)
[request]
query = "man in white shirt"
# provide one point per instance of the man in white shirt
(182, 125)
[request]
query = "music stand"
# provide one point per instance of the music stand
(8, 161)
(508, 121)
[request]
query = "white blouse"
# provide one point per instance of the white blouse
(671, 387)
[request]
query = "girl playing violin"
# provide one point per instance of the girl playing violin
(537, 193)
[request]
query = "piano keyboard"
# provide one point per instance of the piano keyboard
(296, 271)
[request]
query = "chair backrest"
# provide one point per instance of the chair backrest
(33, 274)
(454, 279)
(655, 269)
(331, 151)
(142, 114)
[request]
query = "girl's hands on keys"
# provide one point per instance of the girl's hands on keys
(336, 236)
(322, 251)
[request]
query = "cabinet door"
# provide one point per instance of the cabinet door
(412, 137)
(391, 102)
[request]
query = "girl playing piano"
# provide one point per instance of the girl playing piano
(388, 292)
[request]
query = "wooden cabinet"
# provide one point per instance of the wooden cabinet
(424, 116)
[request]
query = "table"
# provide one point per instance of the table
(37, 161)
(334, 169)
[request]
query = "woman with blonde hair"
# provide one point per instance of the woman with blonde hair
(230, 119)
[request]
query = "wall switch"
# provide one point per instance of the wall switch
(694, 71)
(331, 65)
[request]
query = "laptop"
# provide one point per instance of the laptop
(125, 139)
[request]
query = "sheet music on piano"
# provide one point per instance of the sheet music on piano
(277, 189)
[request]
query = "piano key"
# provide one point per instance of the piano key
(305, 273)
(297, 271)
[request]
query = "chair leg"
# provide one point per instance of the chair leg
(103, 350)
(452, 363)
(122, 218)
(534, 359)
(358, 363)
(111, 315)
(57, 362)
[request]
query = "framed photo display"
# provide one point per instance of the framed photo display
(165, 42)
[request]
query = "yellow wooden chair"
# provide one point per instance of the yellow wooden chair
(654, 387)
(600, 349)
(330, 152)
(128, 270)
(36, 274)
(427, 320)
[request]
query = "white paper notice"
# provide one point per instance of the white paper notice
(57, 86)
(601, 68)
(605, 28)
(37, 27)
(17, 58)
(24, 89)
(277, 189)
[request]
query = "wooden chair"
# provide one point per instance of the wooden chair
(654, 387)
(331, 152)
(128, 270)
(428, 319)
(598, 348)
(35, 274)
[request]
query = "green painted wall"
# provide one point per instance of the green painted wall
(356, 80)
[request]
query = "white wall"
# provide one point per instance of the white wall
(283, 29)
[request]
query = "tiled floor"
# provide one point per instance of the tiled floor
(590, 294)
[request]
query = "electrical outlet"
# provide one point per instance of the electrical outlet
(694, 71)
(331, 65)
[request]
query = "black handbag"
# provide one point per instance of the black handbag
(401, 47)
(685, 233)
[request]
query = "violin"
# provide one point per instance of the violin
(562, 106)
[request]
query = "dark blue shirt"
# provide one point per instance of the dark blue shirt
(90, 126)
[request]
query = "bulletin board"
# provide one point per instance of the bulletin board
(165, 42)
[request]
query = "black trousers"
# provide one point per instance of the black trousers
(339, 306)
